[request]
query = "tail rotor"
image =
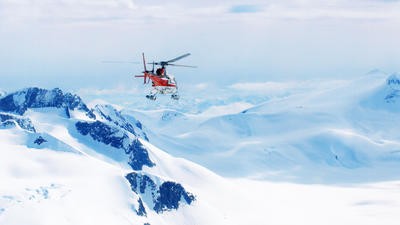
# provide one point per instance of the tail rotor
(145, 76)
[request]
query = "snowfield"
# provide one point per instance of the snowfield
(52, 187)
(318, 152)
(318, 131)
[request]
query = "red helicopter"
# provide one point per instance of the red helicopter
(162, 82)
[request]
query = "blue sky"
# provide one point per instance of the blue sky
(62, 43)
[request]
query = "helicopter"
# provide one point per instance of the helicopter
(162, 82)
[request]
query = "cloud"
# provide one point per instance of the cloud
(113, 11)
(60, 11)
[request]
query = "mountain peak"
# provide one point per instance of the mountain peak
(33, 97)
(393, 81)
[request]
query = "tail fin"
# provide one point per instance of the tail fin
(144, 72)
(144, 62)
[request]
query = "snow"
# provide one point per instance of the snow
(233, 108)
(326, 152)
(63, 129)
(19, 98)
(346, 127)
(43, 186)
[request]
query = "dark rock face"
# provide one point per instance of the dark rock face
(139, 125)
(141, 210)
(138, 155)
(103, 133)
(19, 102)
(393, 81)
(40, 140)
(7, 120)
(141, 184)
(117, 138)
(168, 196)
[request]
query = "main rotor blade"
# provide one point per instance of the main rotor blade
(178, 58)
(120, 62)
(182, 65)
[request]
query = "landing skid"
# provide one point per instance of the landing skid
(151, 97)
(175, 97)
(164, 91)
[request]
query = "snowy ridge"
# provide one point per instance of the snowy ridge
(393, 81)
(20, 101)
(386, 96)
(109, 113)
(394, 95)
(50, 119)
(10, 120)
(116, 138)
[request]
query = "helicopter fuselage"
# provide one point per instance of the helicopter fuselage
(162, 81)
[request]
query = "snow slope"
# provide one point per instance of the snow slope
(55, 172)
(52, 187)
(319, 131)
(78, 150)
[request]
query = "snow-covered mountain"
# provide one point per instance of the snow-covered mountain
(51, 120)
(62, 162)
(326, 131)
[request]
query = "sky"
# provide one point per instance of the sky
(62, 43)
